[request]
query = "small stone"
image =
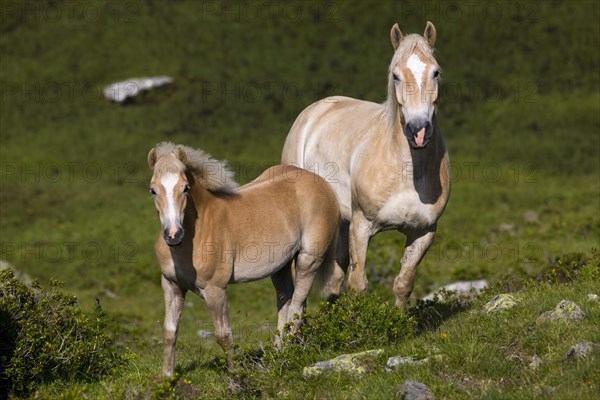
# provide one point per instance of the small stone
(203, 333)
(500, 302)
(507, 228)
(564, 311)
(461, 288)
(580, 350)
(397, 361)
(592, 297)
(411, 390)
(530, 216)
(344, 363)
(536, 361)
(110, 294)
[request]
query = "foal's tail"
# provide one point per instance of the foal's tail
(330, 276)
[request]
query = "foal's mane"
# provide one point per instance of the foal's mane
(408, 45)
(213, 174)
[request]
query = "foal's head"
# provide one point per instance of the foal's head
(170, 188)
(413, 83)
(177, 170)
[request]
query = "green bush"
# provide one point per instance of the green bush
(44, 336)
(355, 322)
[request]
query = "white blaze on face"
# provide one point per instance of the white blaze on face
(169, 181)
(417, 67)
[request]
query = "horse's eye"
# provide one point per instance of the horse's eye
(396, 77)
(186, 189)
(436, 74)
(153, 192)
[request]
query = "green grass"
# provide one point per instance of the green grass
(519, 98)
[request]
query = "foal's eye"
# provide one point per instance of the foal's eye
(436, 74)
(186, 189)
(396, 77)
(153, 192)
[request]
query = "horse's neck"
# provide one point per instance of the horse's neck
(418, 163)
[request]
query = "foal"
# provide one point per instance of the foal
(214, 233)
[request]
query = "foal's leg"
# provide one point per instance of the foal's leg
(284, 288)
(216, 300)
(307, 265)
(416, 246)
(360, 233)
(174, 298)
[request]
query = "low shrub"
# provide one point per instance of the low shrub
(45, 336)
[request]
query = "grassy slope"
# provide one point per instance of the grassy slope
(541, 133)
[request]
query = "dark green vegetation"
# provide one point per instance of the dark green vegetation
(44, 337)
(518, 106)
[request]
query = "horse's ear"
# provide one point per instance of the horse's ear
(396, 36)
(181, 155)
(152, 157)
(429, 34)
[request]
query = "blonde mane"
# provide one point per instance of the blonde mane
(408, 45)
(213, 174)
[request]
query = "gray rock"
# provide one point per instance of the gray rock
(397, 361)
(121, 91)
(500, 302)
(351, 363)
(564, 311)
(530, 216)
(581, 350)
(203, 333)
(23, 277)
(462, 288)
(536, 361)
(411, 390)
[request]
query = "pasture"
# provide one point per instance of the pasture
(519, 108)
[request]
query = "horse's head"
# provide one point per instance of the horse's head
(170, 188)
(413, 83)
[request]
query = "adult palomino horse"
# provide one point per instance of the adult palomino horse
(214, 233)
(386, 162)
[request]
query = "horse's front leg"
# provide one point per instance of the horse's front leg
(359, 235)
(174, 299)
(216, 300)
(417, 244)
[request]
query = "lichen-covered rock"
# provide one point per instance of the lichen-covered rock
(397, 361)
(500, 302)
(411, 390)
(581, 350)
(536, 361)
(351, 363)
(564, 311)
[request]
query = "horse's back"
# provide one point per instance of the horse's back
(326, 137)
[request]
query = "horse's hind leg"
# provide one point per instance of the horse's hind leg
(417, 244)
(284, 289)
(216, 300)
(307, 265)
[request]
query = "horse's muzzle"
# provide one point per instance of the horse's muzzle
(173, 241)
(418, 133)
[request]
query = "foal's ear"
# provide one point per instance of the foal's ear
(429, 34)
(152, 157)
(396, 36)
(181, 155)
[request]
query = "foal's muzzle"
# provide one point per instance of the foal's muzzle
(418, 133)
(175, 240)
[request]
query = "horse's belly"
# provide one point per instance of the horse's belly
(256, 261)
(405, 209)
